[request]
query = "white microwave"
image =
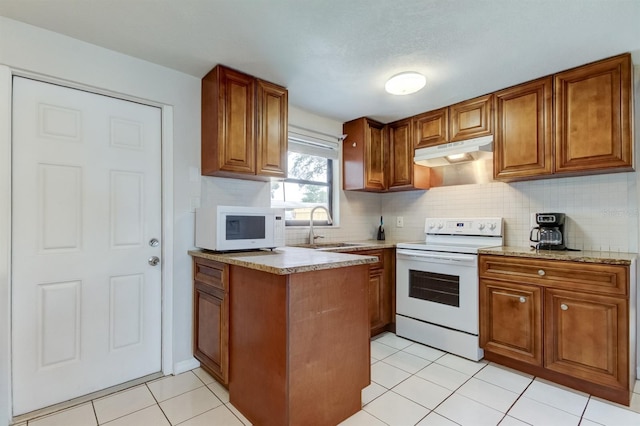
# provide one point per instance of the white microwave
(226, 228)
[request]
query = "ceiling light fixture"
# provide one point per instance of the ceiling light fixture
(405, 83)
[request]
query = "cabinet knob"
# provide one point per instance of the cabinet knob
(354, 145)
(541, 272)
(564, 307)
(523, 299)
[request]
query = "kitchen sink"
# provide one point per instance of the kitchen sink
(329, 246)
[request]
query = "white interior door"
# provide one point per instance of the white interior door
(86, 302)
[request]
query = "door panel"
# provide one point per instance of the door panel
(86, 200)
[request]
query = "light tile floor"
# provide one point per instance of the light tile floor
(412, 384)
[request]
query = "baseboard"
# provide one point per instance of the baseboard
(186, 365)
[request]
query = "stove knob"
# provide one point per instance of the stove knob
(440, 225)
(431, 225)
(480, 226)
(492, 226)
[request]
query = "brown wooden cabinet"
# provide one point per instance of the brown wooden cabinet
(364, 155)
(590, 131)
(379, 158)
(511, 320)
(400, 155)
(244, 126)
(381, 290)
(583, 310)
(470, 119)
(211, 317)
(592, 116)
(431, 128)
(523, 144)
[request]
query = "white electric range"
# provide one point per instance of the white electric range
(437, 294)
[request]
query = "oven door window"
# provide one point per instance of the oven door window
(437, 288)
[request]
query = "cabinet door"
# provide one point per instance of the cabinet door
(587, 336)
(400, 155)
(271, 137)
(374, 155)
(522, 142)
(592, 116)
(228, 120)
(211, 331)
(470, 119)
(431, 128)
(511, 320)
(378, 311)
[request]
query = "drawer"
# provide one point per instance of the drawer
(374, 253)
(210, 273)
(591, 277)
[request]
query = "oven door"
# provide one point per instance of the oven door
(439, 288)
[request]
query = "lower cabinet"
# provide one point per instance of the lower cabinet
(512, 320)
(381, 290)
(211, 317)
(560, 320)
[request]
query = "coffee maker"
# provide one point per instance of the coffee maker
(549, 232)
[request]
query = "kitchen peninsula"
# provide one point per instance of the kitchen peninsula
(297, 331)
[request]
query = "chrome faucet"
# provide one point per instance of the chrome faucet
(312, 238)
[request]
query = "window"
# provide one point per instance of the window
(310, 180)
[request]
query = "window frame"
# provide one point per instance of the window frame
(330, 189)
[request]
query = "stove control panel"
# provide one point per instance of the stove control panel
(485, 226)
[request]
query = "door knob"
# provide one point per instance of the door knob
(154, 260)
(154, 242)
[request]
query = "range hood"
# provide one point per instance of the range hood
(455, 152)
(458, 163)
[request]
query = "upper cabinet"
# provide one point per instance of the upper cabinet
(470, 119)
(522, 139)
(576, 122)
(592, 116)
(431, 128)
(379, 158)
(364, 155)
(400, 155)
(244, 126)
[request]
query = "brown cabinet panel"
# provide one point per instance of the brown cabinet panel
(470, 119)
(364, 156)
(431, 128)
(591, 277)
(228, 119)
(587, 337)
(511, 320)
(272, 131)
(592, 116)
(523, 130)
(381, 290)
(211, 317)
(400, 155)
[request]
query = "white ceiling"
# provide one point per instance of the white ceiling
(335, 55)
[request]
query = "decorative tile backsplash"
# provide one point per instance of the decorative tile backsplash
(602, 210)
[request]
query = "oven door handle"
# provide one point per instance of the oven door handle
(425, 256)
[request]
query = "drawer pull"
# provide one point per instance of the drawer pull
(523, 299)
(564, 307)
(541, 272)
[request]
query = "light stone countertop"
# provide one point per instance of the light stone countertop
(287, 260)
(604, 257)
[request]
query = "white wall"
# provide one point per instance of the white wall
(27, 48)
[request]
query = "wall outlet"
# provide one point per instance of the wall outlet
(399, 222)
